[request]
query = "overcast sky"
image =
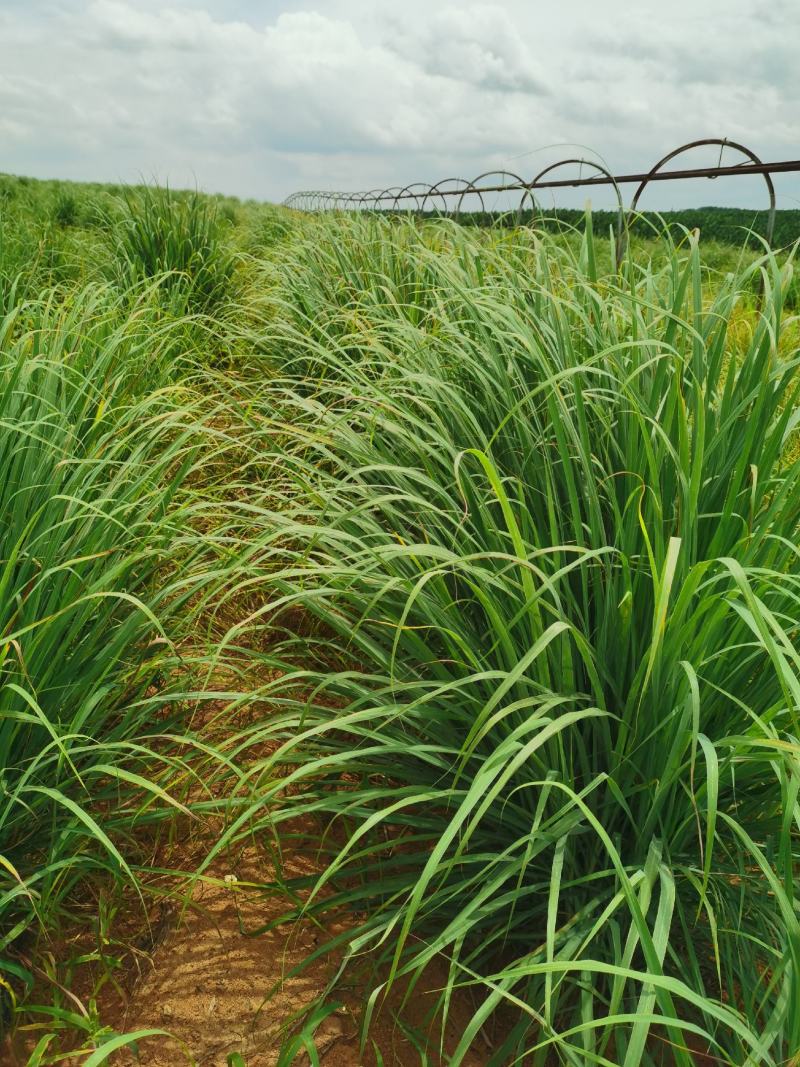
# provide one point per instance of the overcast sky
(262, 97)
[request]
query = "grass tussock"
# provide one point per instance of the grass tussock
(101, 580)
(545, 517)
(178, 240)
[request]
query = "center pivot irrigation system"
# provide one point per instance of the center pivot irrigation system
(447, 196)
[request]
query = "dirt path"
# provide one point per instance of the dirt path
(203, 973)
(209, 984)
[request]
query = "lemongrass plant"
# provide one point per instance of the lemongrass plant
(546, 703)
(101, 575)
(176, 238)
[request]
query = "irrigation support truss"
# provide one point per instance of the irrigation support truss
(447, 196)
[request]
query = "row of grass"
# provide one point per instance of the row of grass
(107, 463)
(58, 234)
(102, 579)
(541, 520)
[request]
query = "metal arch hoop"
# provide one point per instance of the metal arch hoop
(407, 194)
(620, 249)
(436, 190)
(497, 173)
(528, 192)
(388, 194)
(586, 163)
(723, 143)
(369, 198)
(471, 188)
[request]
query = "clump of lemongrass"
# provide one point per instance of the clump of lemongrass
(549, 706)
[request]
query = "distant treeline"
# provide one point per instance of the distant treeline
(729, 225)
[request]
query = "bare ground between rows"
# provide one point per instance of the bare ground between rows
(220, 984)
(198, 968)
(219, 990)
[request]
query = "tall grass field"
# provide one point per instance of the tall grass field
(452, 555)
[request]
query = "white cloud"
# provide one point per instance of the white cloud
(257, 98)
(478, 45)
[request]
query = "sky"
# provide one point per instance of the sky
(260, 98)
